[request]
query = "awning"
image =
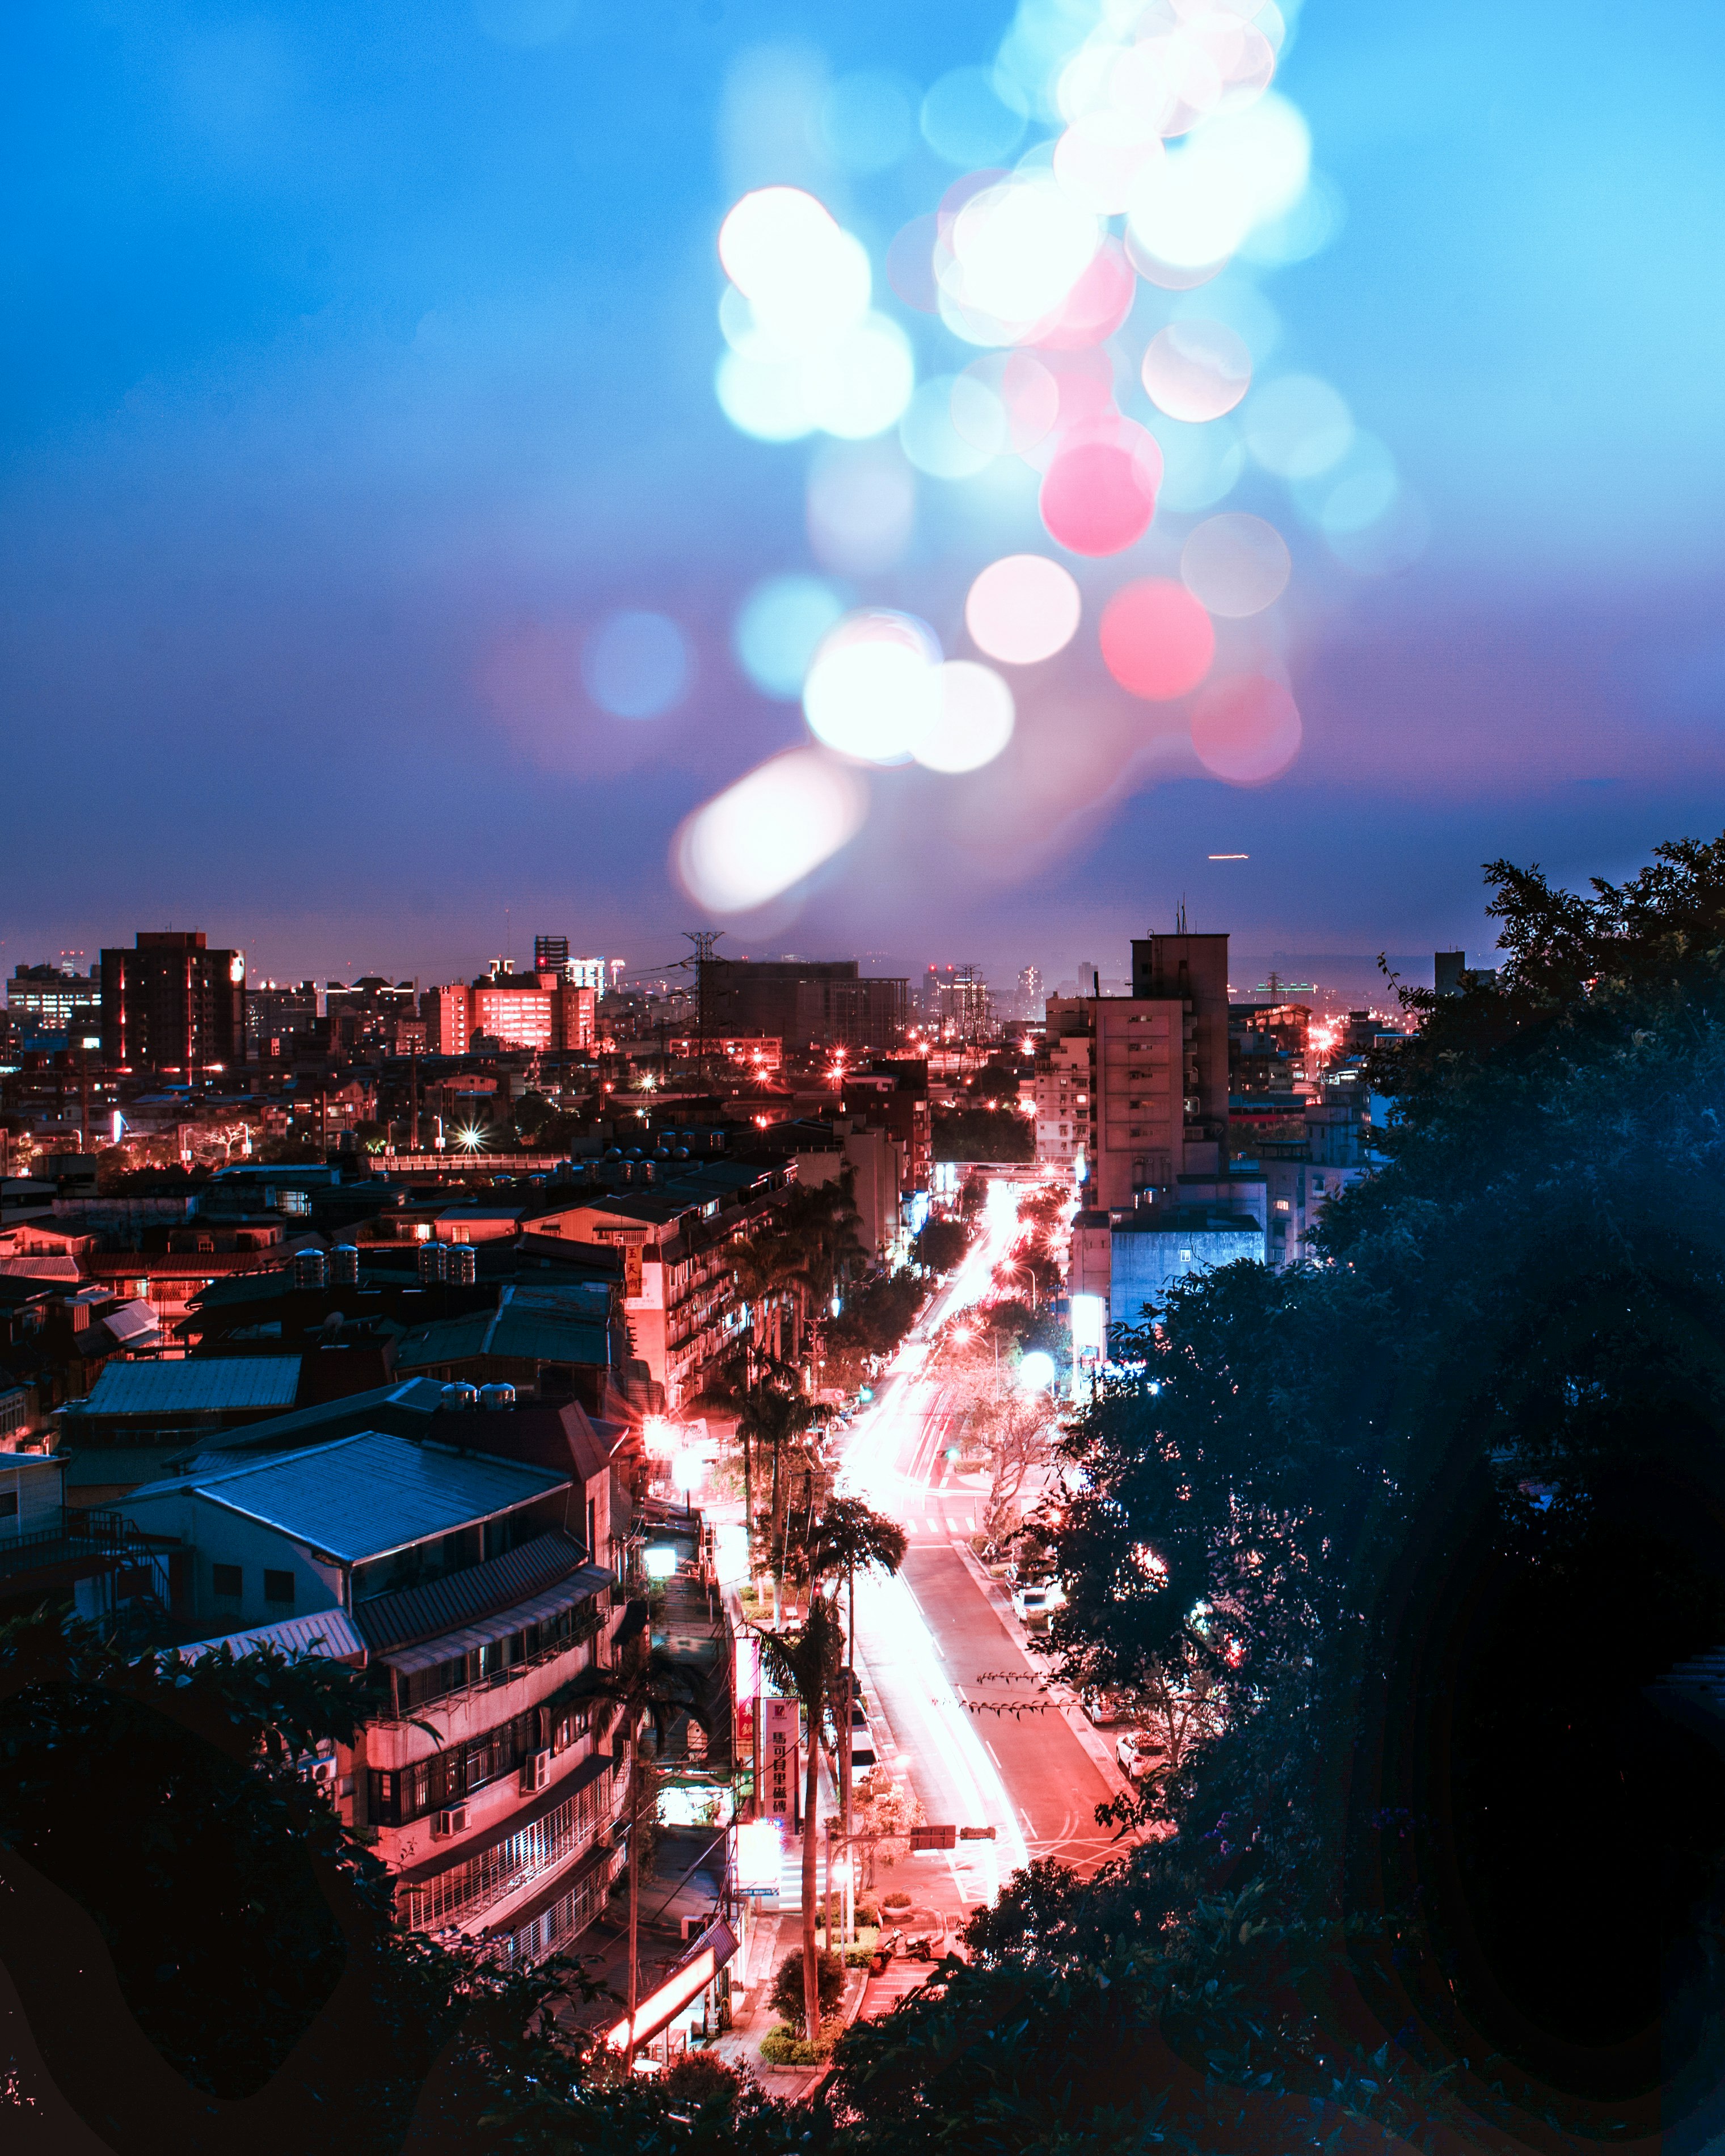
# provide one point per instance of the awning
(588, 1580)
(706, 1956)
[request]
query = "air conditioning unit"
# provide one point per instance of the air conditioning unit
(452, 1821)
(323, 1770)
(536, 1773)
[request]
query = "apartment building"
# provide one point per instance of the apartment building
(467, 1579)
(1136, 1087)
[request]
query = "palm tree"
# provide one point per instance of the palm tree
(804, 1665)
(646, 1686)
(848, 1536)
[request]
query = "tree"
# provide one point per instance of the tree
(804, 1665)
(941, 1244)
(789, 1994)
(206, 1955)
(849, 1538)
(647, 1687)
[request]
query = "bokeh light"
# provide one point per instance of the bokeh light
(873, 691)
(1357, 491)
(861, 385)
(778, 629)
(807, 280)
(1006, 400)
(868, 121)
(1016, 251)
(1297, 426)
(1022, 610)
(768, 399)
(635, 666)
(1201, 464)
(974, 116)
(1098, 302)
(1156, 640)
(1197, 370)
(861, 507)
(973, 721)
(933, 441)
(1099, 159)
(1235, 565)
(1099, 494)
(1199, 203)
(769, 830)
(1246, 729)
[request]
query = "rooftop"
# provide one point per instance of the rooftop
(198, 1385)
(365, 1495)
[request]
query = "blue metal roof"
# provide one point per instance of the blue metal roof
(363, 1496)
(200, 1384)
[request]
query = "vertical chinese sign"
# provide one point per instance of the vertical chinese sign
(779, 1749)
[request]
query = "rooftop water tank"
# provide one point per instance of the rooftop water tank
(462, 1397)
(496, 1396)
(344, 1266)
(464, 1265)
(309, 1269)
(434, 1262)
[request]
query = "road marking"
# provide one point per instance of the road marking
(994, 1756)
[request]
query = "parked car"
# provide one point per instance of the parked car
(865, 1753)
(1102, 1707)
(1134, 1754)
(1035, 1605)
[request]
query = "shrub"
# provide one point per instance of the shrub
(784, 2047)
(867, 1913)
(699, 2079)
(896, 1902)
(786, 1997)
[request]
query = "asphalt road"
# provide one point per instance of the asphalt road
(1054, 1784)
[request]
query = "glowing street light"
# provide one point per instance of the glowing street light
(470, 1138)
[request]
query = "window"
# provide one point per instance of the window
(225, 1579)
(8, 1504)
(279, 1587)
(1281, 1204)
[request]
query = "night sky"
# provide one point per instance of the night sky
(360, 366)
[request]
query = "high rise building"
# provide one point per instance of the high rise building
(171, 1003)
(551, 953)
(535, 1011)
(826, 1001)
(1030, 991)
(49, 997)
(1138, 1085)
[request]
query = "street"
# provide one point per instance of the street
(961, 1699)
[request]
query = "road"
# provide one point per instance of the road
(982, 1743)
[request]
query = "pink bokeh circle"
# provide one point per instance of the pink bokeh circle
(1099, 494)
(1246, 729)
(1156, 640)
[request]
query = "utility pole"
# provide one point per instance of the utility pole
(701, 959)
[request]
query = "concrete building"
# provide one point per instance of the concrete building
(1136, 1087)
(171, 1003)
(535, 1011)
(466, 1577)
(826, 1001)
(1152, 1248)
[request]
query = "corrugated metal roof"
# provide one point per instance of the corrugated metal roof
(413, 1613)
(199, 1385)
(533, 1332)
(330, 1634)
(363, 1496)
(588, 1579)
(131, 1321)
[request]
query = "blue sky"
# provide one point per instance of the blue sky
(359, 362)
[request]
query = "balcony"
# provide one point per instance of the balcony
(88, 1541)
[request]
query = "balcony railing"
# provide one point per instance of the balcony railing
(75, 1534)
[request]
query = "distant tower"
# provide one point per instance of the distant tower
(551, 954)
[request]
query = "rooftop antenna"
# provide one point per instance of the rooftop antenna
(1180, 916)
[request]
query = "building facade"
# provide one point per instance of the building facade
(171, 1003)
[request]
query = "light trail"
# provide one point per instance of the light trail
(941, 1739)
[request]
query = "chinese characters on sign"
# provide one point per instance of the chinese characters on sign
(779, 1732)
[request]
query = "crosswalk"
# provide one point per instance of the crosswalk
(940, 1526)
